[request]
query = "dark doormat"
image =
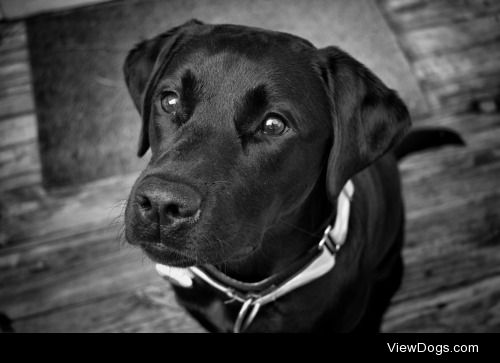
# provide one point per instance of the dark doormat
(88, 127)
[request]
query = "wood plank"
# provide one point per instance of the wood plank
(74, 210)
(475, 227)
(444, 38)
(406, 15)
(453, 48)
(482, 149)
(472, 308)
(61, 278)
(22, 89)
(72, 251)
(150, 308)
(453, 198)
(13, 35)
(463, 93)
(16, 162)
(19, 102)
(18, 130)
(15, 79)
(444, 249)
(25, 180)
(52, 286)
(15, 54)
(19, 158)
(13, 69)
(101, 274)
(18, 264)
(20, 165)
(454, 66)
(451, 189)
(451, 213)
(15, 9)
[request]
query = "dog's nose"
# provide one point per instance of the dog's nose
(167, 203)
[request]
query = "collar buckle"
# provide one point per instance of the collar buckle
(247, 313)
(328, 242)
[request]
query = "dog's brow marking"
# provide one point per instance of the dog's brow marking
(253, 104)
(189, 96)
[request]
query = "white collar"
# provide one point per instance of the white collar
(322, 262)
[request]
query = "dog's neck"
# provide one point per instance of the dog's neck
(290, 238)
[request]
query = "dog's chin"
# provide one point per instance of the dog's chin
(168, 256)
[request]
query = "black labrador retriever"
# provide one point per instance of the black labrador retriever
(272, 198)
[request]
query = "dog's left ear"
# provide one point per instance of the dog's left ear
(368, 117)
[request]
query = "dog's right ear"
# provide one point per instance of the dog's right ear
(368, 117)
(142, 68)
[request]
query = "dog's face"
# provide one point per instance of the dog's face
(241, 123)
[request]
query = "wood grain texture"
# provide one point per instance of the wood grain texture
(150, 308)
(20, 166)
(15, 9)
(70, 212)
(417, 14)
(18, 130)
(472, 308)
(453, 47)
(15, 87)
(443, 38)
(452, 197)
(52, 277)
(17, 165)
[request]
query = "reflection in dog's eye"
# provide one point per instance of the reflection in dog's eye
(170, 102)
(274, 126)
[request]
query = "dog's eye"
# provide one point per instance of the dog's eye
(274, 126)
(170, 102)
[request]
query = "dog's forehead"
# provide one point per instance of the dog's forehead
(253, 42)
(247, 46)
(232, 56)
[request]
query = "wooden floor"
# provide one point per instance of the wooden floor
(63, 266)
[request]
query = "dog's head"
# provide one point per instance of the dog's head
(243, 123)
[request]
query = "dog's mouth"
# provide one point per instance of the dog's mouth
(169, 256)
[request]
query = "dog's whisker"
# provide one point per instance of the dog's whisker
(311, 234)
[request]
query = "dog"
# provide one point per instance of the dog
(272, 200)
